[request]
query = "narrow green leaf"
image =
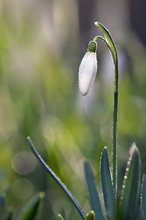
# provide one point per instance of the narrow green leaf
(30, 210)
(108, 40)
(131, 187)
(90, 215)
(56, 179)
(144, 197)
(60, 217)
(94, 196)
(107, 186)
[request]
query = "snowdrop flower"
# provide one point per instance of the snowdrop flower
(88, 69)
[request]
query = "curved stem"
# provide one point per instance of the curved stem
(107, 39)
(56, 178)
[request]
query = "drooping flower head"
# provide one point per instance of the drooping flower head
(88, 68)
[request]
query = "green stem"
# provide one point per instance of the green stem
(107, 39)
(115, 116)
(56, 178)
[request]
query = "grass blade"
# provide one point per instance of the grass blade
(144, 197)
(94, 197)
(30, 210)
(131, 186)
(107, 185)
(56, 179)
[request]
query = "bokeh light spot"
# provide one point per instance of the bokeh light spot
(23, 163)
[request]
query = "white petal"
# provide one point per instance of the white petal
(87, 72)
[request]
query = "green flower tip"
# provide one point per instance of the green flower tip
(90, 215)
(92, 46)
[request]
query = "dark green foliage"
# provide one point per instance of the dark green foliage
(144, 197)
(130, 201)
(94, 195)
(129, 206)
(107, 186)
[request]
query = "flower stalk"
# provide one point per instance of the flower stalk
(87, 74)
(112, 47)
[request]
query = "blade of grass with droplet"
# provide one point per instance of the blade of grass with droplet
(107, 186)
(30, 210)
(131, 187)
(93, 193)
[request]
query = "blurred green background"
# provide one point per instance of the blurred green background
(41, 45)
